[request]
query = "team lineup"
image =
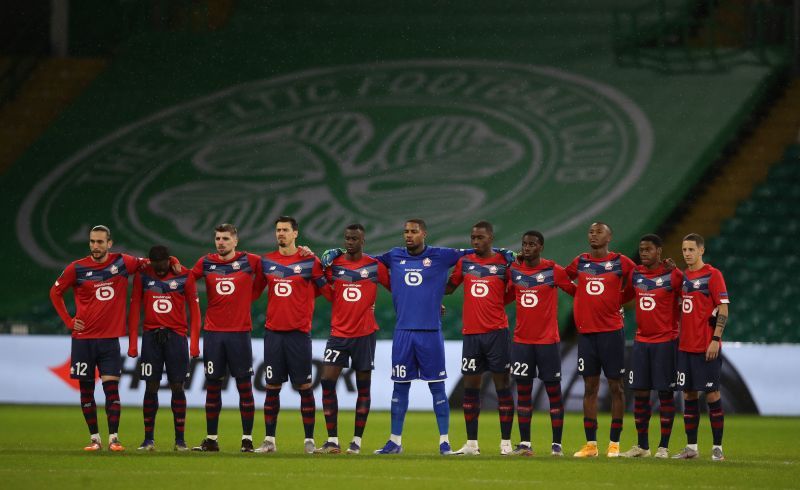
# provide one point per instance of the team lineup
(680, 317)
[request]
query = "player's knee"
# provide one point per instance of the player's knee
(176, 387)
(151, 387)
(304, 386)
(713, 396)
(615, 387)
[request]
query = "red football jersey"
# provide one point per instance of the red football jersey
(292, 282)
(534, 290)
(703, 291)
(165, 300)
(657, 294)
(354, 289)
(101, 294)
(229, 289)
(599, 289)
(484, 290)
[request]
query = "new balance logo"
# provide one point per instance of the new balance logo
(151, 283)
(402, 262)
(709, 385)
(272, 268)
(442, 373)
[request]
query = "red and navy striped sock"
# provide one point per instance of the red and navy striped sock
(179, 413)
(272, 405)
(213, 405)
(149, 411)
(88, 406)
(362, 405)
(308, 411)
(556, 409)
(691, 416)
(667, 411)
(717, 418)
(113, 405)
(505, 407)
(330, 406)
(524, 410)
(641, 416)
(616, 430)
(472, 410)
(247, 405)
(590, 428)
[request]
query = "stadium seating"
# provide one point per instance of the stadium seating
(755, 251)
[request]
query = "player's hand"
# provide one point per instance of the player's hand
(175, 264)
(78, 325)
(509, 255)
(330, 255)
(305, 251)
(133, 352)
(713, 351)
(442, 311)
(669, 264)
(194, 351)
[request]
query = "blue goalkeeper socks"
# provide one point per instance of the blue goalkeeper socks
(441, 406)
(400, 406)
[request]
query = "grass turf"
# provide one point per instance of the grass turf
(40, 447)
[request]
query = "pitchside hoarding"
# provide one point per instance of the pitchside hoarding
(38, 367)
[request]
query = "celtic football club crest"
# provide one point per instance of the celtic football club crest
(448, 141)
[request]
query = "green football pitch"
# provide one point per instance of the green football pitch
(40, 447)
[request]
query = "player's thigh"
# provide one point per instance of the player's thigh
(176, 357)
(611, 351)
(473, 358)
(109, 360)
(362, 352)
(495, 346)
(705, 375)
(523, 362)
(215, 360)
(297, 350)
(690, 373)
(639, 374)
(429, 351)
(337, 352)
(548, 362)
(662, 365)
(404, 360)
(151, 360)
(83, 359)
(588, 355)
(276, 371)
(239, 354)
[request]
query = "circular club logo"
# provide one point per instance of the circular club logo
(162, 305)
(104, 293)
(686, 305)
(413, 278)
(528, 300)
(647, 303)
(225, 287)
(479, 290)
(282, 289)
(351, 294)
(595, 288)
(372, 143)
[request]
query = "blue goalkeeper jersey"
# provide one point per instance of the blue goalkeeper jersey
(418, 283)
